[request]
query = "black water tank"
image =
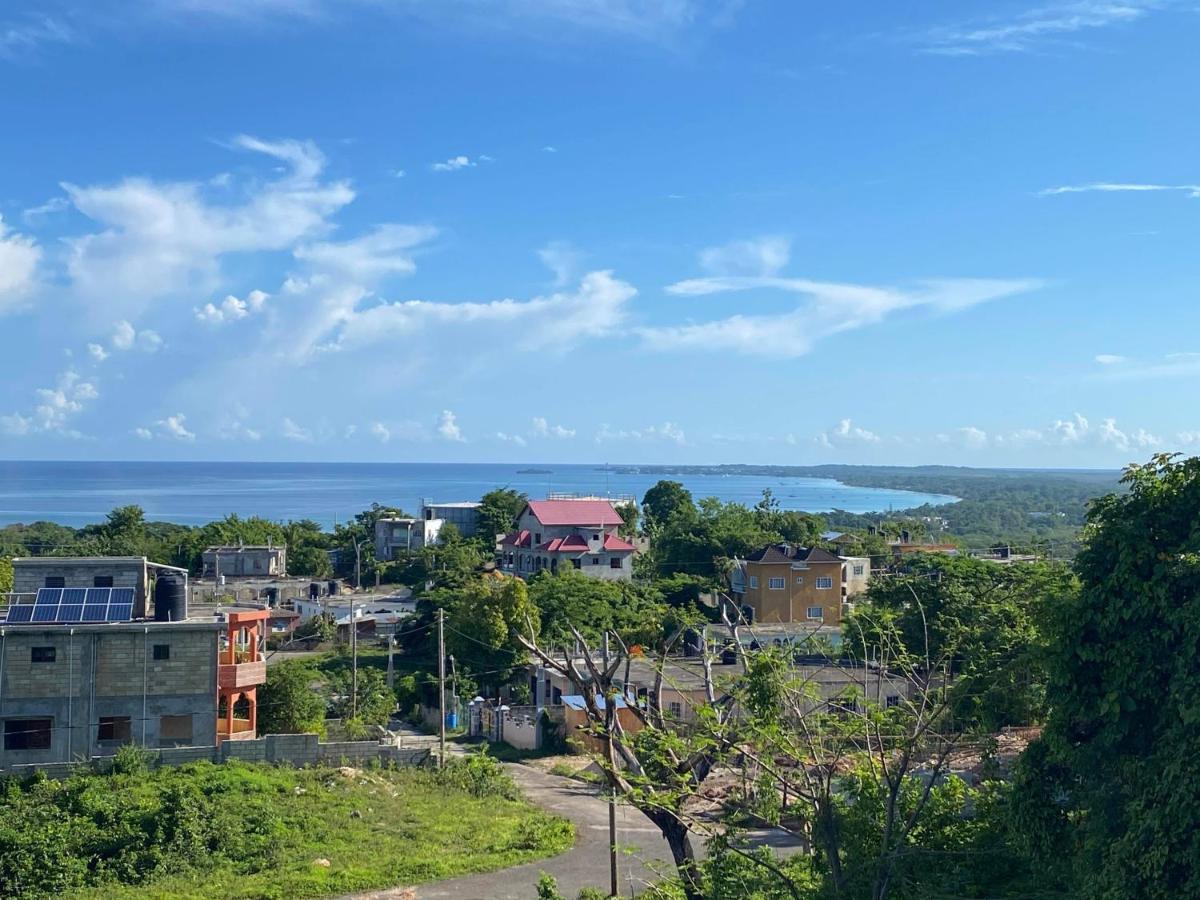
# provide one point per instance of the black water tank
(693, 643)
(314, 590)
(170, 598)
(271, 595)
(729, 655)
(333, 589)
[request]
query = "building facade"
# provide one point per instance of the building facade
(782, 583)
(464, 515)
(245, 561)
(397, 536)
(75, 691)
(558, 535)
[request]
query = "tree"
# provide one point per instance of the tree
(498, 511)
(6, 575)
(481, 618)
(287, 702)
(1123, 729)
(371, 705)
(574, 600)
(665, 501)
(985, 619)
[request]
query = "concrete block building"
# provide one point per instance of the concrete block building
(245, 561)
(557, 535)
(783, 583)
(32, 573)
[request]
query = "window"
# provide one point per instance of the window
(675, 708)
(41, 654)
(893, 700)
(174, 731)
(595, 560)
(824, 582)
(102, 581)
(577, 563)
(115, 728)
(615, 562)
(754, 581)
(162, 651)
(55, 581)
(799, 579)
(537, 537)
(816, 612)
(595, 536)
(858, 570)
(27, 734)
(776, 584)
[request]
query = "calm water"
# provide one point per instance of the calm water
(77, 493)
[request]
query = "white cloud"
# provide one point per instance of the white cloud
(973, 437)
(558, 321)
(510, 438)
(19, 257)
(97, 352)
(1070, 431)
(293, 432)
(667, 432)
(562, 259)
(126, 337)
(54, 408)
(54, 205)
(387, 250)
(1109, 359)
(542, 428)
(1192, 190)
(453, 164)
(398, 173)
(380, 432)
(831, 308)
(549, 148)
(448, 428)
(1031, 29)
(159, 239)
(144, 434)
(232, 308)
(764, 256)
(846, 432)
(174, 427)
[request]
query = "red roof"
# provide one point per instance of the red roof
(516, 539)
(572, 543)
(575, 512)
(614, 544)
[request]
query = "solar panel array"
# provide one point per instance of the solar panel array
(59, 606)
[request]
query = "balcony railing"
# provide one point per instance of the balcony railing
(241, 674)
(242, 730)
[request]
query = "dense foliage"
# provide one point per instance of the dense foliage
(1118, 778)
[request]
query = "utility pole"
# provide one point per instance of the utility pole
(391, 675)
(441, 688)
(357, 565)
(354, 661)
(614, 885)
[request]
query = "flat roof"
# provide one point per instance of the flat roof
(136, 627)
(457, 504)
(238, 548)
(77, 560)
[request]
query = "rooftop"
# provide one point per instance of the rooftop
(575, 512)
(786, 553)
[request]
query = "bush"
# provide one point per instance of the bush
(130, 759)
(479, 775)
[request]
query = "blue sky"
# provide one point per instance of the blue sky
(599, 230)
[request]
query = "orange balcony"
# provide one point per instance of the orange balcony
(239, 675)
(243, 730)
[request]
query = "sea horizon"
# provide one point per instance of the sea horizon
(77, 492)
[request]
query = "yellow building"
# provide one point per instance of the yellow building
(782, 583)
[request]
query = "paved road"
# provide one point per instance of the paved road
(643, 851)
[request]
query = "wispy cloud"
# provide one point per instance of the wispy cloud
(1109, 359)
(666, 432)
(1035, 27)
(19, 38)
(232, 308)
(19, 258)
(448, 428)
(829, 307)
(846, 432)
(453, 164)
(1170, 365)
(1111, 187)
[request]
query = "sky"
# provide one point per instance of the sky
(626, 231)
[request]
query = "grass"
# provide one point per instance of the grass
(376, 828)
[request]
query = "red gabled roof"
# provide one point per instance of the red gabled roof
(516, 539)
(614, 544)
(575, 512)
(572, 543)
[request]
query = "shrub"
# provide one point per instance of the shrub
(479, 775)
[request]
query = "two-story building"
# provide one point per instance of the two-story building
(245, 561)
(783, 583)
(557, 535)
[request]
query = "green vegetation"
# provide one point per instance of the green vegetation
(236, 830)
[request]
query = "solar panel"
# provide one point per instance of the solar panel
(45, 612)
(72, 605)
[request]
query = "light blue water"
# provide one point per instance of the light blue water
(79, 493)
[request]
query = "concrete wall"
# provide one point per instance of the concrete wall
(29, 574)
(791, 602)
(284, 749)
(521, 728)
(244, 562)
(106, 671)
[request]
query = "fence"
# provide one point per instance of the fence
(286, 749)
